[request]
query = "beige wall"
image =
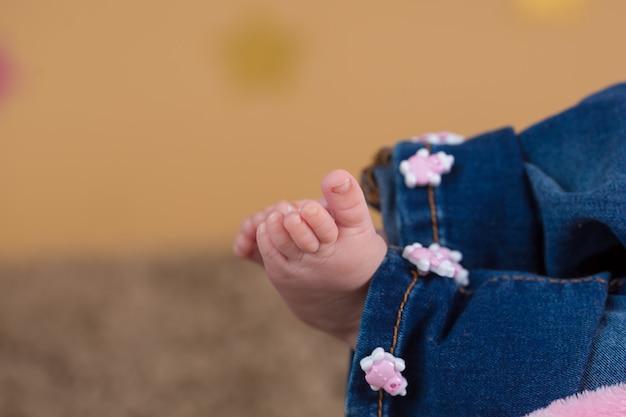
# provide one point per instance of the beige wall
(150, 125)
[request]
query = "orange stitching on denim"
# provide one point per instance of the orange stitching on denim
(401, 310)
(433, 213)
(433, 206)
(396, 329)
(560, 281)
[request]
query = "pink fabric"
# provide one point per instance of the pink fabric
(603, 402)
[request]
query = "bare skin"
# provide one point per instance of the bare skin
(320, 256)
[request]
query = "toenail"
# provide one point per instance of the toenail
(273, 218)
(309, 210)
(342, 187)
(285, 207)
(294, 218)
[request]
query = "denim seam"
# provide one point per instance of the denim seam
(433, 213)
(556, 281)
(433, 206)
(560, 281)
(396, 330)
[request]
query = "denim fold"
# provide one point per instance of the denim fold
(540, 218)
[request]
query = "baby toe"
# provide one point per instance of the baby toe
(280, 236)
(301, 234)
(320, 221)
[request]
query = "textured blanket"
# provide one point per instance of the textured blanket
(603, 402)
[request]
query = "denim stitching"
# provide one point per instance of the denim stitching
(433, 213)
(396, 330)
(433, 206)
(561, 281)
(557, 281)
(401, 310)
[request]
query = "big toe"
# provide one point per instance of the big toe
(345, 200)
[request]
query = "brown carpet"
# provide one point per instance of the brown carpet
(170, 336)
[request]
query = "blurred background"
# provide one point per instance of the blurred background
(135, 136)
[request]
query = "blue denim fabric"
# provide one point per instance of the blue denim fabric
(607, 365)
(540, 218)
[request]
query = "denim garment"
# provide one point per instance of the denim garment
(540, 218)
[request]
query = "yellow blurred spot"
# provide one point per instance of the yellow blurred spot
(260, 53)
(551, 10)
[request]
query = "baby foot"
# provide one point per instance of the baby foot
(321, 258)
